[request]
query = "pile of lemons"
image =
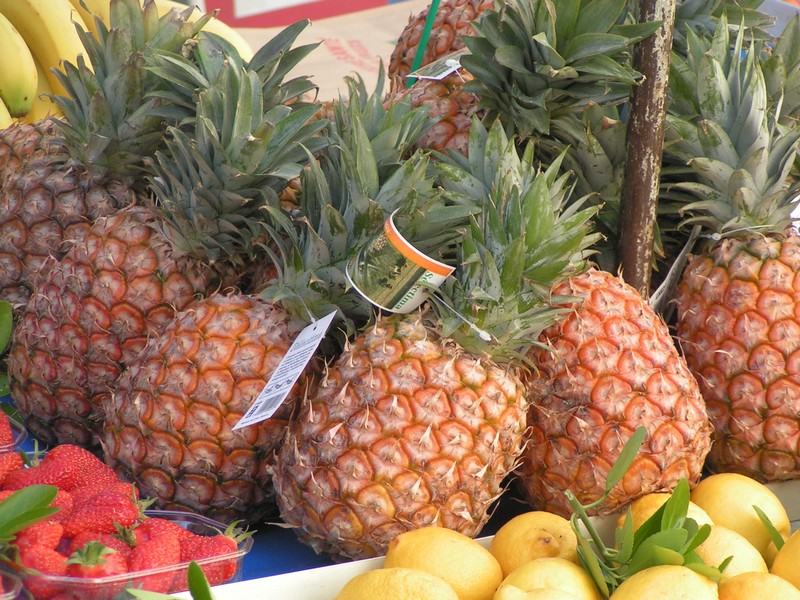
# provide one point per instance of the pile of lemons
(534, 556)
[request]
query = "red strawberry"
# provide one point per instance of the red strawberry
(48, 562)
(6, 432)
(199, 547)
(62, 501)
(95, 559)
(9, 462)
(83, 493)
(45, 533)
(155, 527)
(102, 513)
(164, 551)
(78, 467)
(114, 541)
(65, 466)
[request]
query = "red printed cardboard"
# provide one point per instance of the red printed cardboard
(275, 13)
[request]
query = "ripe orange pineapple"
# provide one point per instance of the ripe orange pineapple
(421, 419)
(193, 382)
(134, 270)
(451, 106)
(168, 424)
(90, 317)
(453, 19)
(607, 367)
(738, 297)
(60, 175)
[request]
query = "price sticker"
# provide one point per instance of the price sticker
(286, 373)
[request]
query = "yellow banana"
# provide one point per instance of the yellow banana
(5, 117)
(43, 106)
(18, 76)
(101, 8)
(49, 30)
(214, 26)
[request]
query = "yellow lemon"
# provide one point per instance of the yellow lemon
(644, 507)
(535, 534)
(724, 542)
(728, 498)
(468, 567)
(666, 582)
(514, 593)
(549, 573)
(392, 584)
(787, 560)
(751, 586)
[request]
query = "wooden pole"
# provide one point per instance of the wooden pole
(645, 137)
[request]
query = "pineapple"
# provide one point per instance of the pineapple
(535, 61)
(453, 19)
(422, 417)
(67, 172)
(448, 103)
(124, 281)
(529, 62)
(20, 141)
(603, 370)
(737, 299)
(168, 424)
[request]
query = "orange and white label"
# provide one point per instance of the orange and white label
(392, 274)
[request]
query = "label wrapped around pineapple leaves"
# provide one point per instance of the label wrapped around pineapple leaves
(392, 274)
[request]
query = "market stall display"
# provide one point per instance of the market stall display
(397, 310)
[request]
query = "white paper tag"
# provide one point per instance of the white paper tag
(440, 68)
(286, 373)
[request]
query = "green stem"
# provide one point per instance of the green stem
(423, 40)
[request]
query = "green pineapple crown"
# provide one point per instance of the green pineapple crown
(526, 237)
(701, 18)
(273, 63)
(361, 179)
(723, 124)
(781, 67)
(535, 60)
(111, 124)
(216, 183)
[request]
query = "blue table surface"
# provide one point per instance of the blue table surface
(277, 550)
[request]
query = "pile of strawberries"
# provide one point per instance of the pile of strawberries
(100, 531)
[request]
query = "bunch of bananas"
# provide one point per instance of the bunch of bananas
(37, 35)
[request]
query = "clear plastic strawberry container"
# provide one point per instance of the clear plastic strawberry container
(170, 579)
(20, 435)
(10, 585)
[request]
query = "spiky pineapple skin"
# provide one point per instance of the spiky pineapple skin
(90, 318)
(405, 430)
(44, 206)
(453, 20)
(451, 106)
(21, 141)
(168, 425)
(739, 326)
(611, 367)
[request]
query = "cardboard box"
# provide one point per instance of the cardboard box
(351, 43)
(274, 13)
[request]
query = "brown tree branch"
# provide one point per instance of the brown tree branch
(645, 137)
